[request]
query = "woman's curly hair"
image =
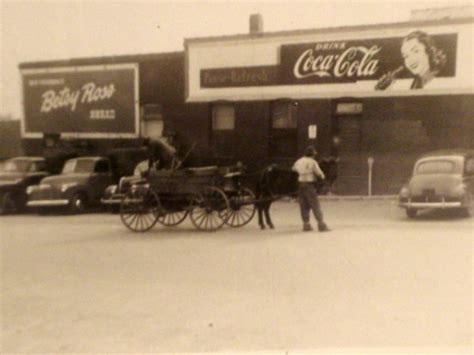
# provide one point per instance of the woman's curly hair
(437, 57)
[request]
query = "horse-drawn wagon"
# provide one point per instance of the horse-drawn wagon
(210, 196)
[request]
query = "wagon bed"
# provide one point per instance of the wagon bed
(210, 196)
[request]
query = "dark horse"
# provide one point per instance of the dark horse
(276, 182)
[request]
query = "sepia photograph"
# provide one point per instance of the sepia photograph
(237, 177)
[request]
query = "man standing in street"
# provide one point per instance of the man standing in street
(308, 171)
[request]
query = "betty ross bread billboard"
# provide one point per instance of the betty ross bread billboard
(85, 101)
(377, 60)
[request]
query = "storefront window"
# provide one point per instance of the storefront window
(283, 115)
(223, 117)
(152, 121)
(283, 137)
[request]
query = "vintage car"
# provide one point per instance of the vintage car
(81, 183)
(440, 180)
(114, 193)
(15, 177)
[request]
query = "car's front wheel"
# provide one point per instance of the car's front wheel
(78, 202)
(411, 212)
(7, 203)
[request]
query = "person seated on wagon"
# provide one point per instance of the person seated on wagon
(161, 155)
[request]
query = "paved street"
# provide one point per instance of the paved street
(377, 282)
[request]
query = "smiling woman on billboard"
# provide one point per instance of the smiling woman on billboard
(421, 58)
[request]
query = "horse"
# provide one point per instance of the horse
(276, 182)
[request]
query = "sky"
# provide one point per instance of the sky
(51, 30)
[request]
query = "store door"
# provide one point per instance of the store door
(351, 179)
(349, 131)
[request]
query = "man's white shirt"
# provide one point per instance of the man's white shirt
(307, 169)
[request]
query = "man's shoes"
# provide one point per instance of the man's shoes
(323, 228)
(307, 227)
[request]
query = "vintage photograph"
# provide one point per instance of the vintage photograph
(236, 177)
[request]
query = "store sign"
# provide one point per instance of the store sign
(239, 77)
(368, 59)
(418, 59)
(349, 108)
(81, 100)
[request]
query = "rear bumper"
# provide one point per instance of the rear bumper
(44, 203)
(421, 205)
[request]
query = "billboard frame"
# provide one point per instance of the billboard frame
(85, 68)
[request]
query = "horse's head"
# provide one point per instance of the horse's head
(329, 166)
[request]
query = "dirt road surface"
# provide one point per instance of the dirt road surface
(377, 282)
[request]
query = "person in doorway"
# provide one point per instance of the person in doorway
(421, 57)
(308, 171)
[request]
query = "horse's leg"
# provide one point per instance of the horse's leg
(260, 217)
(266, 210)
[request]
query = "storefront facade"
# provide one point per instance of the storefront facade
(355, 92)
(261, 98)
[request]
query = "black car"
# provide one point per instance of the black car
(15, 177)
(81, 184)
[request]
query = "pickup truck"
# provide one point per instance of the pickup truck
(81, 184)
(16, 176)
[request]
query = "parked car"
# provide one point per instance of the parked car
(114, 193)
(81, 183)
(440, 180)
(15, 177)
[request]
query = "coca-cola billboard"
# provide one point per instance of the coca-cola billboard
(350, 61)
(86, 101)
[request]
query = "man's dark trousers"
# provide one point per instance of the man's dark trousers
(308, 200)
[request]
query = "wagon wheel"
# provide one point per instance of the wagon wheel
(209, 209)
(172, 218)
(242, 208)
(139, 209)
(173, 211)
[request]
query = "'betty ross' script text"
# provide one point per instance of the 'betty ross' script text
(66, 97)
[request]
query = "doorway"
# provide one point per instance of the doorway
(347, 146)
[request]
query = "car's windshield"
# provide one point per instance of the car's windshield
(16, 166)
(79, 166)
(436, 167)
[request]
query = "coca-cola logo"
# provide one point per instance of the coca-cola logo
(337, 61)
(67, 98)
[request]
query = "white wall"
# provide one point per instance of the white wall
(245, 52)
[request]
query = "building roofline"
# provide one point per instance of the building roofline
(112, 59)
(328, 30)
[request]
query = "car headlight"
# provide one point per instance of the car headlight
(29, 189)
(404, 192)
(65, 187)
